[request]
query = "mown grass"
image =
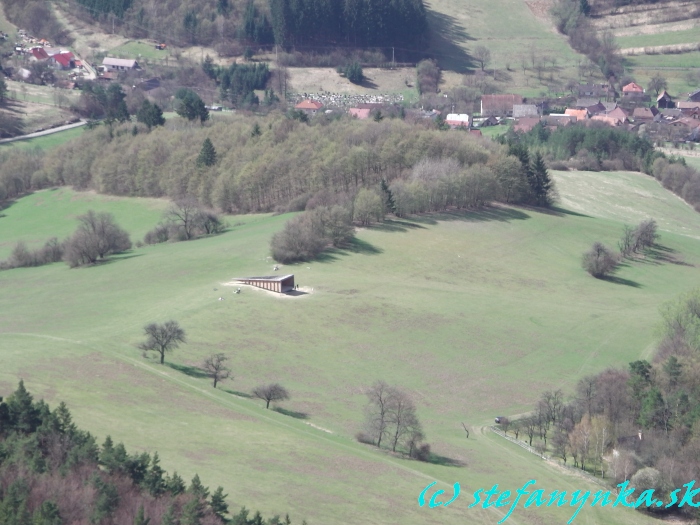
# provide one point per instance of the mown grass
(687, 36)
(138, 50)
(683, 60)
(474, 313)
(45, 142)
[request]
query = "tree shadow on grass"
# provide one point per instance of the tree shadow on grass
(191, 371)
(446, 35)
(620, 280)
(291, 413)
(395, 225)
(353, 246)
(236, 393)
(437, 459)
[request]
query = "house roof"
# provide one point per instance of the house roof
(39, 53)
(309, 104)
(608, 120)
(586, 102)
(150, 84)
(490, 102)
(645, 113)
(687, 105)
(526, 124)
(663, 94)
(609, 106)
(359, 113)
(476, 132)
(457, 119)
(558, 119)
(265, 278)
(617, 113)
(120, 62)
(525, 110)
(63, 58)
(633, 87)
(580, 114)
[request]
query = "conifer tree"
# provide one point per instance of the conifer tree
(141, 518)
(218, 503)
(540, 182)
(150, 114)
(169, 516)
(197, 489)
(175, 484)
(389, 203)
(207, 155)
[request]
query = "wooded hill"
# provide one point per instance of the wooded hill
(341, 23)
(52, 473)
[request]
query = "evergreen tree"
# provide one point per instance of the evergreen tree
(207, 155)
(141, 518)
(378, 117)
(209, 68)
(192, 512)
(116, 103)
(169, 516)
(47, 514)
(673, 369)
(175, 485)
(197, 489)
(389, 203)
(218, 503)
(150, 114)
(3, 90)
(154, 482)
(256, 132)
(22, 413)
(190, 106)
(540, 182)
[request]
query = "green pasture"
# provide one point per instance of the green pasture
(45, 142)
(138, 50)
(693, 161)
(507, 27)
(681, 60)
(687, 36)
(475, 314)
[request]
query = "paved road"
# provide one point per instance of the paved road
(45, 132)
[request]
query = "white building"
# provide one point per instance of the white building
(119, 64)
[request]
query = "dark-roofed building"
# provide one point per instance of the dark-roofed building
(149, 85)
(664, 100)
(499, 105)
(645, 113)
(273, 283)
(597, 90)
(694, 96)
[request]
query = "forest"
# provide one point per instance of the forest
(288, 23)
(270, 163)
(53, 473)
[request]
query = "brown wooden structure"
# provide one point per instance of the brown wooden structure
(281, 284)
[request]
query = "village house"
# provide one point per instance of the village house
(526, 110)
(557, 120)
(694, 96)
(632, 87)
(499, 105)
(664, 100)
(597, 90)
(119, 64)
(611, 121)
(38, 54)
(578, 114)
(62, 61)
(644, 113)
(617, 113)
(526, 124)
(310, 107)
(455, 120)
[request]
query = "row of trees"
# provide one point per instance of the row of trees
(391, 420)
(166, 337)
(648, 413)
(97, 236)
(184, 220)
(238, 81)
(53, 473)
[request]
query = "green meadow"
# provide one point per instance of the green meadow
(475, 314)
(687, 36)
(45, 142)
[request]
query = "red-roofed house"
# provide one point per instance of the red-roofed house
(580, 114)
(39, 54)
(63, 60)
(632, 87)
(309, 106)
(499, 105)
(526, 124)
(617, 113)
(359, 113)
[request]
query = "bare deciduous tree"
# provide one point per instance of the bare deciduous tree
(162, 338)
(270, 393)
(215, 367)
(97, 235)
(599, 261)
(627, 241)
(482, 55)
(185, 213)
(391, 415)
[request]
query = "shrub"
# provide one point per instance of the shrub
(368, 207)
(422, 452)
(97, 236)
(301, 240)
(157, 235)
(599, 261)
(362, 437)
(22, 257)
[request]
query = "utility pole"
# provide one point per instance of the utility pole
(393, 62)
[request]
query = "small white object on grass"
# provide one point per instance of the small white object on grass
(221, 298)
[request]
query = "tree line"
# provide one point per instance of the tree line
(641, 422)
(53, 473)
(238, 81)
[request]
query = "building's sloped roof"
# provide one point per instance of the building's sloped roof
(265, 278)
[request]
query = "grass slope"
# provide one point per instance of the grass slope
(474, 313)
(45, 142)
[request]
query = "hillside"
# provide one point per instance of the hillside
(420, 303)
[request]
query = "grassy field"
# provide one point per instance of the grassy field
(660, 39)
(46, 142)
(475, 314)
(139, 50)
